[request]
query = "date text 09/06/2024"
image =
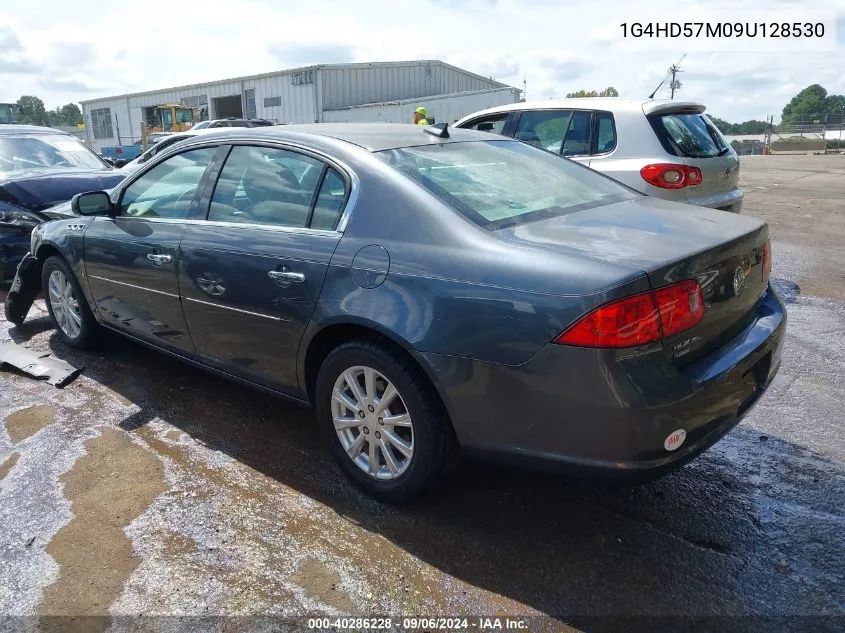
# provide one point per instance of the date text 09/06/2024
(419, 624)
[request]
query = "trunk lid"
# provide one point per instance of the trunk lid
(669, 243)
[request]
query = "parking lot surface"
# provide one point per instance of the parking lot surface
(150, 487)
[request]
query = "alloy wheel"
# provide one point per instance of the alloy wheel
(65, 304)
(372, 422)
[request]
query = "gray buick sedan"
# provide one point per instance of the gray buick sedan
(430, 291)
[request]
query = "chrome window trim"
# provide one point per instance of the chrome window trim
(225, 307)
(217, 141)
(248, 225)
(123, 283)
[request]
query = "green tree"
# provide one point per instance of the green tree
(31, 110)
(808, 105)
(607, 92)
(582, 93)
(723, 126)
(71, 114)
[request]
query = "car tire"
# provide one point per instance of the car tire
(67, 305)
(432, 442)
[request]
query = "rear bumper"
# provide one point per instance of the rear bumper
(724, 200)
(610, 411)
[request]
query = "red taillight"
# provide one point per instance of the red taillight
(639, 319)
(669, 176)
(767, 261)
(681, 307)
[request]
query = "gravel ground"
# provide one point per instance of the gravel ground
(147, 487)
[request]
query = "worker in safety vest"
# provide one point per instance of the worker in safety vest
(419, 116)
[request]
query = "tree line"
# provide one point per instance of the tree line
(812, 106)
(31, 111)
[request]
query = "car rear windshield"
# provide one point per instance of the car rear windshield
(689, 134)
(503, 183)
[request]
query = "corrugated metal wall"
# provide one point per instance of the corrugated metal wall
(333, 86)
(448, 108)
(298, 105)
(361, 83)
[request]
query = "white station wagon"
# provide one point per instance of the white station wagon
(662, 148)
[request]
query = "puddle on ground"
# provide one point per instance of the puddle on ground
(109, 487)
(8, 464)
(787, 290)
(323, 583)
(26, 422)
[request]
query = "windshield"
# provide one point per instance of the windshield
(690, 134)
(503, 183)
(39, 151)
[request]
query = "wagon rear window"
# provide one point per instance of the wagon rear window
(502, 183)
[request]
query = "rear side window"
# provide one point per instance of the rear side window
(543, 128)
(257, 186)
(329, 201)
(577, 141)
(564, 132)
(688, 134)
(605, 133)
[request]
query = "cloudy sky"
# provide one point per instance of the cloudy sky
(101, 48)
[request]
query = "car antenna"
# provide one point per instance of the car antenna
(651, 96)
(438, 129)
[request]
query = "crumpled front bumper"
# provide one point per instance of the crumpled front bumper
(25, 288)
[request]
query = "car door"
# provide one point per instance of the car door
(252, 272)
(131, 260)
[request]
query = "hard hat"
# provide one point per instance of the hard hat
(421, 110)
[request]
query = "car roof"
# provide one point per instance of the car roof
(374, 137)
(28, 129)
(609, 104)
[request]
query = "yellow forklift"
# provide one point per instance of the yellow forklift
(173, 117)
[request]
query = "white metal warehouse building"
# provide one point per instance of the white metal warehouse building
(379, 91)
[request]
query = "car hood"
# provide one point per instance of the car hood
(42, 189)
(644, 233)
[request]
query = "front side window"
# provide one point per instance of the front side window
(493, 124)
(259, 185)
(504, 183)
(167, 190)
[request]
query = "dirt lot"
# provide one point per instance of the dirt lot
(149, 487)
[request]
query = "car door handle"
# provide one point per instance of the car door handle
(286, 275)
(158, 260)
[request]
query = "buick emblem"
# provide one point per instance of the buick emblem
(739, 280)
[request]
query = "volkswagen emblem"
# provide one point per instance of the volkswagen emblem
(739, 280)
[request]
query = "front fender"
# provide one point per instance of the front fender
(24, 290)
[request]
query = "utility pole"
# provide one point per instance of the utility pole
(525, 88)
(674, 85)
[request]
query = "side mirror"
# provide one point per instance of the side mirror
(120, 162)
(91, 203)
